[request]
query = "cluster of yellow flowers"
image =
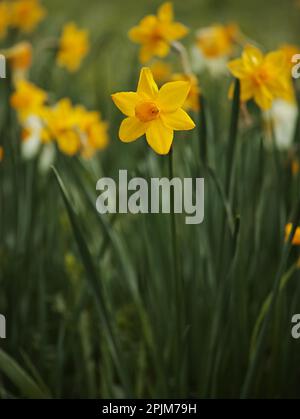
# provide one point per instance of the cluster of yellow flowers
(151, 111)
(264, 78)
(72, 47)
(75, 129)
(155, 112)
(23, 15)
(159, 105)
(157, 34)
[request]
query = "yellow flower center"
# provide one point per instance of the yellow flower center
(157, 34)
(261, 76)
(146, 111)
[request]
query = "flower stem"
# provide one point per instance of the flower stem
(173, 221)
(185, 62)
(178, 285)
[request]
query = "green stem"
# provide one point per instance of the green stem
(173, 222)
(233, 132)
(178, 285)
(262, 336)
(265, 307)
(203, 130)
(184, 58)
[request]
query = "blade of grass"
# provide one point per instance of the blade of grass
(265, 307)
(203, 131)
(250, 375)
(233, 131)
(19, 377)
(95, 286)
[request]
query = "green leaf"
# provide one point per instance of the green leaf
(95, 286)
(19, 377)
(233, 131)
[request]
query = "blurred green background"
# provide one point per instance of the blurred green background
(268, 22)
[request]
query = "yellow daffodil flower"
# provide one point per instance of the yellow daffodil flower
(263, 77)
(73, 47)
(156, 113)
(96, 139)
(4, 19)
(156, 33)
(26, 14)
(296, 238)
(192, 100)
(94, 130)
(1, 154)
(28, 99)
(75, 129)
(60, 121)
(218, 40)
(19, 56)
(69, 142)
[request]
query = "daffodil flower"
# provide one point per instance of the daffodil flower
(73, 47)
(75, 129)
(19, 58)
(28, 99)
(263, 78)
(156, 33)
(218, 40)
(156, 113)
(26, 14)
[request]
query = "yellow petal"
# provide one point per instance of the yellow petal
(178, 120)
(147, 85)
(263, 98)
(159, 137)
(141, 33)
(136, 35)
(126, 102)
(252, 57)
(165, 12)
(161, 49)
(237, 68)
(172, 95)
(276, 59)
(148, 23)
(247, 89)
(69, 143)
(131, 129)
(175, 31)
